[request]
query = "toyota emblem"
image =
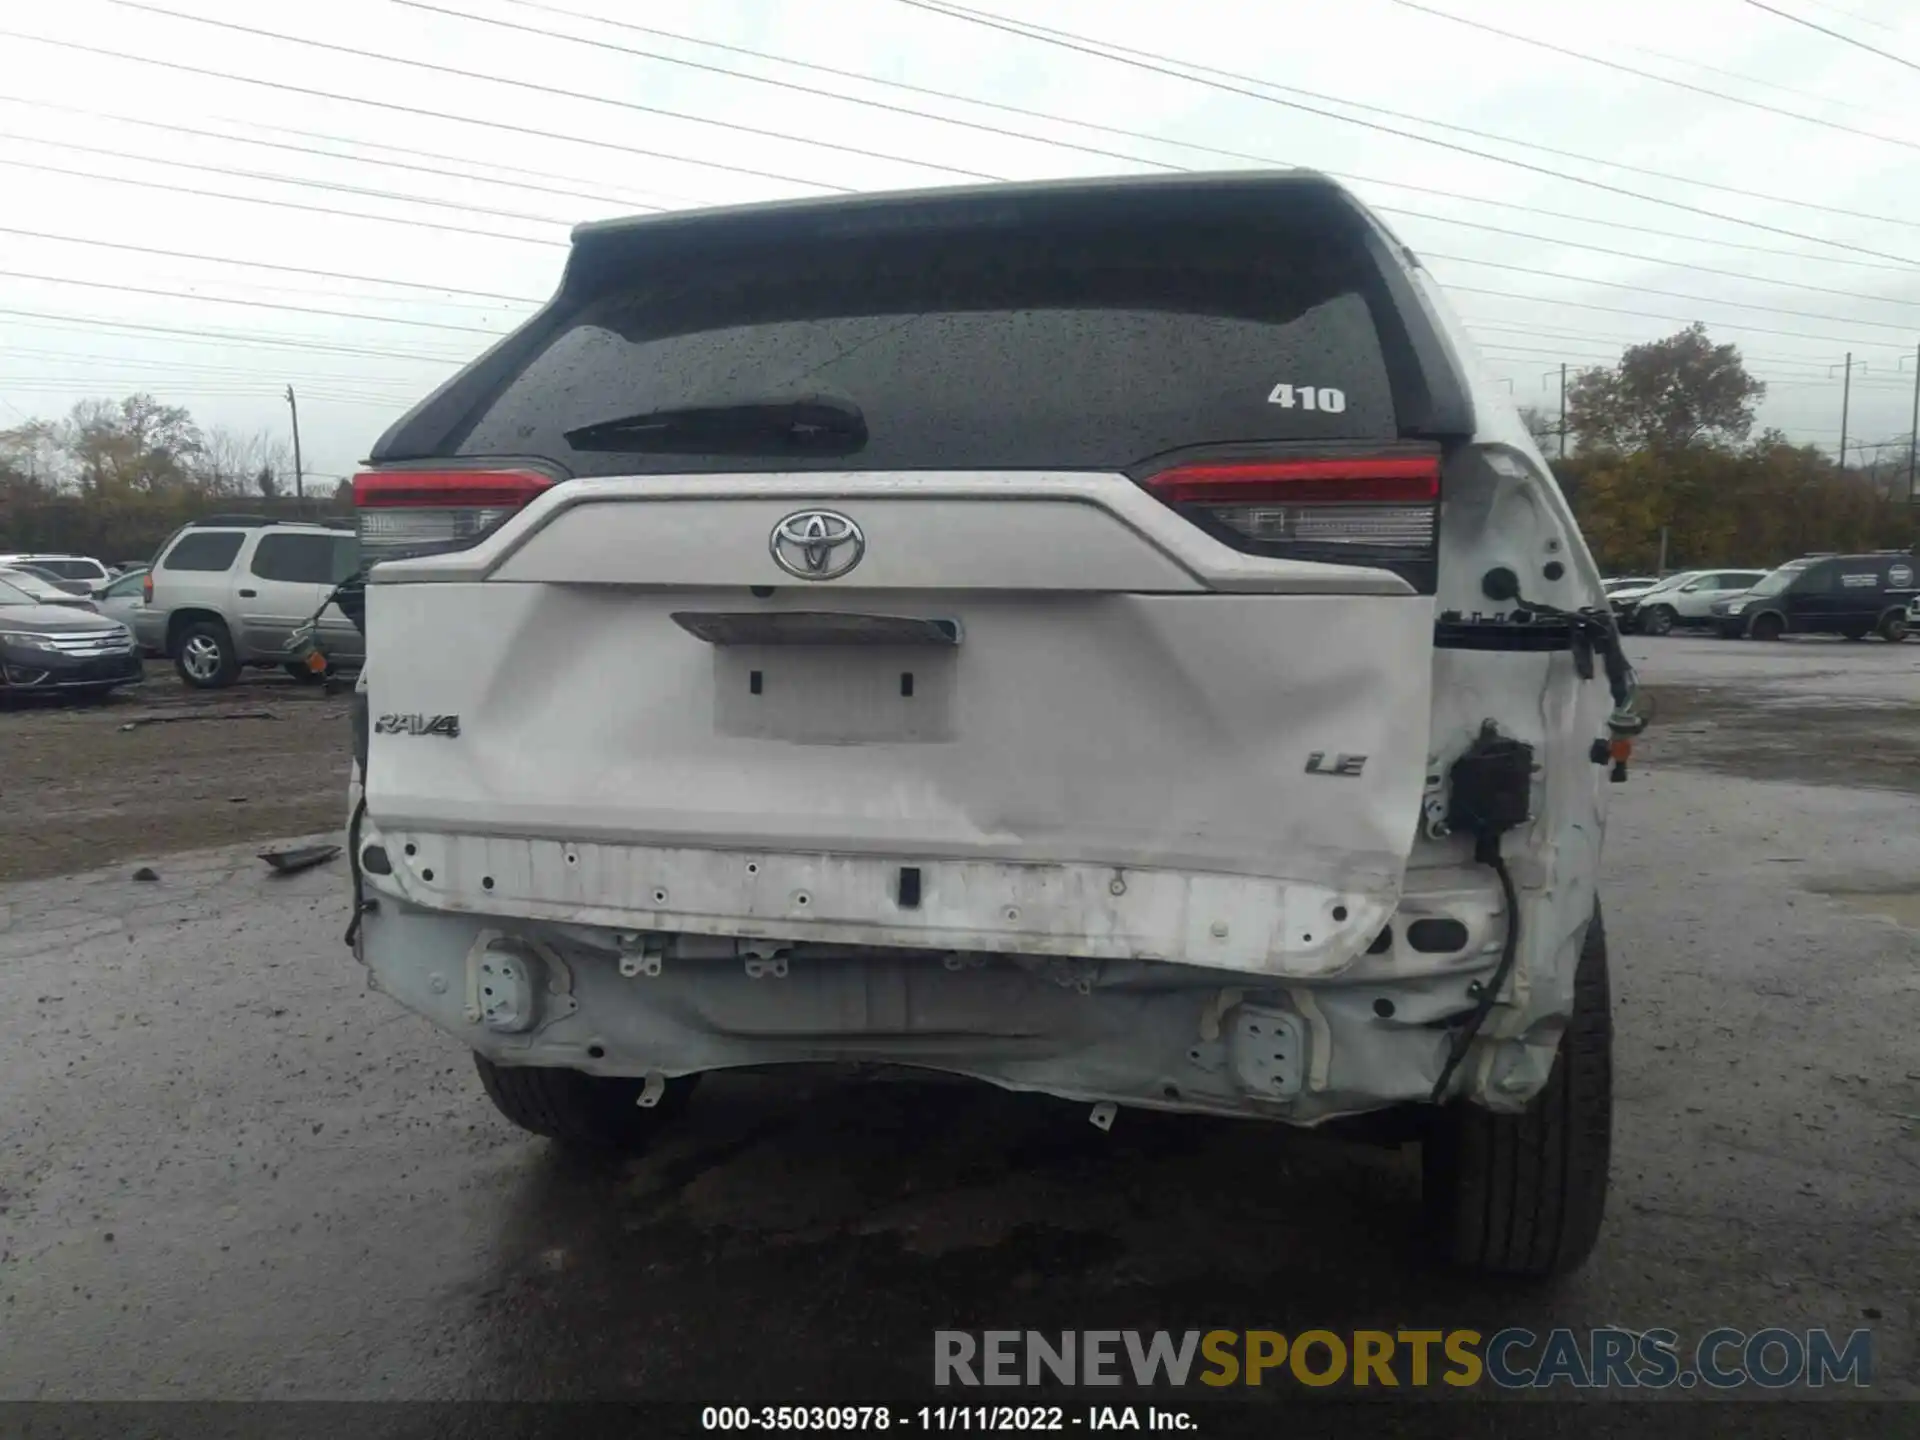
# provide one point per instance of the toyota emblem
(817, 544)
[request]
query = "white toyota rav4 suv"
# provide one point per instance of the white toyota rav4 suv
(1102, 638)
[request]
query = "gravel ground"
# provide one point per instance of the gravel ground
(80, 790)
(232, 1173)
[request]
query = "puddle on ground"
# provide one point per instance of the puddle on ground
(1867, 744)
(1902, 906)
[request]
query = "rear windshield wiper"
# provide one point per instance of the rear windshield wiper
(813, 424)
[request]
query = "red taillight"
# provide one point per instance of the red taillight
(1379, 510)
(1383, 479)
(146, 589)
(423, 512)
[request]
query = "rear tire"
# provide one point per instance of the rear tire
(1658, 620)
(1523, 1195)
(1767, 627)
(205, 657)
(1893, 627)
(597, 1114)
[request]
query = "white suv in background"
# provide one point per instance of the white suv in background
(81, 569)
(1686, 601)
(1005, 631)
(232, 590)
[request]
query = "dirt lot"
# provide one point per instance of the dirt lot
(231, 1171)
(82, 790)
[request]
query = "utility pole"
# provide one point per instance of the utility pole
(299, 482)
(1913, 437)
(1846, 402)
(1563, 409)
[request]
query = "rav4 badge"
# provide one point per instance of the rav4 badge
(445, 726)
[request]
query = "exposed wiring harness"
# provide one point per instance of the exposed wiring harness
(360, 902)
(1490, 791)
(1463, 1038)
(1594, 632)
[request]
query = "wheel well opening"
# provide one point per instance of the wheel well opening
(179, 620)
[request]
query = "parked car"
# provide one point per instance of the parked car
(229, 592)
(58, 581)
(1850, 595)
(44, 590)
(1624, 596)
(1618, 583)
(90, 574)
(59, 648)
(1626, 600)
(1686, 601)
(125, 600)
(1046, 682)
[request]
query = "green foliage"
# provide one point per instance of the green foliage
(1665, 395)
(1663, 443)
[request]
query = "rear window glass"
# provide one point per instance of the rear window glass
(73, 569)
(1007, 349)
(306, 559)
(205, 551)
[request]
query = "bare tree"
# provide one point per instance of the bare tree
(236, 464)
(34, 451)
(1545, 430)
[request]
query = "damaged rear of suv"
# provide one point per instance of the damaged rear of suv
(1101, 638)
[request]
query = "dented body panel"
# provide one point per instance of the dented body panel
(1048, 787)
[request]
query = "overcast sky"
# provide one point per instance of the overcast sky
(362, 351)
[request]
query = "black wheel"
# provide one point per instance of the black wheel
(204, 657)
(1893, 626)
(597, 1113)
(302, 674)
(1658, 620)
(1767, 627)
(1522, 1195)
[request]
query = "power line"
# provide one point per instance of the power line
(565, 94)
(1613, 352)
(596, 186)
(769, 80)
(1163, 140)
(1000, 130)
(328, 210)
(265, 390)
(399, 109)
(264, 265)
(254, 304)
(331, 185)
(1852, 15)
(1649, 75)
(599, 198)
(1675, 319)
(1556, 332)
(1648, 259)
(1908, 328)
(1756, 80)
(1844, 39)
(215, 337)
(1119, 55)
(357, 379)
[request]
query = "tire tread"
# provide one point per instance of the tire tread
(1524, 1194)
(579, 1111)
